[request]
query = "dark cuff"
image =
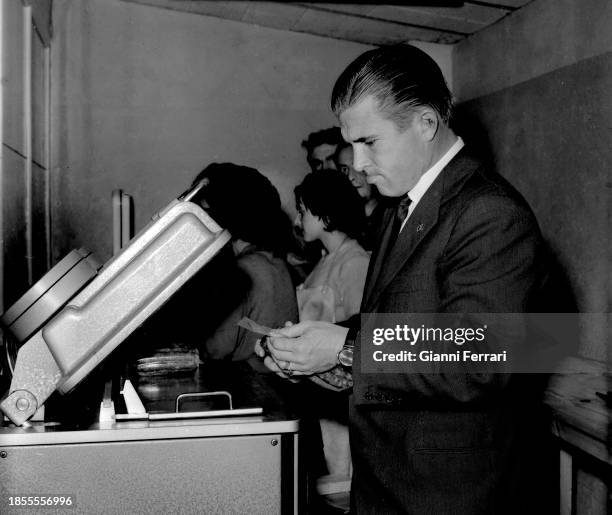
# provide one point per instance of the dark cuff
(351, 336)
(354, 321)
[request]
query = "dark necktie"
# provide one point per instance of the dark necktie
(401, 211)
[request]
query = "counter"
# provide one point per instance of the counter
(581, 422)
(214, 465)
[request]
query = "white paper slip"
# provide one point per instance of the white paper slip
(254, 327)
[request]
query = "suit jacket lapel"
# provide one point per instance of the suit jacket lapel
(421, 222)
(379, 251)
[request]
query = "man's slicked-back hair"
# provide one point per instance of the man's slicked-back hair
(400, 77)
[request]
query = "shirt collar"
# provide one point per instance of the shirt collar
(427, 179)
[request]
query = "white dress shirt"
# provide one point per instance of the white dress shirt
(427, 179)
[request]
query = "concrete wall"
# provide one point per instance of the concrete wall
(23, 157)
(12, 178)
(144, 98)
(538, 85)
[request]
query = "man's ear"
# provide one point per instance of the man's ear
(428, 122)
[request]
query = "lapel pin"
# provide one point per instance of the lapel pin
(420, 228)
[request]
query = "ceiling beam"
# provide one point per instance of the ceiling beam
(492, 5)
(411, 3)
(325, 8)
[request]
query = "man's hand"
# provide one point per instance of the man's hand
(303, 349)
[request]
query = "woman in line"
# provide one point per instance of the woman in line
(243, 201)
(330, 211)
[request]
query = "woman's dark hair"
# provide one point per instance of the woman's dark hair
(330, 195)
(245, 202)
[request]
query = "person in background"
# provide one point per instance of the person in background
(330, 211)
(243, 201)
(369, 194)
(321, 148)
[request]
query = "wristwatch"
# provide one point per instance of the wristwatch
(345, 356)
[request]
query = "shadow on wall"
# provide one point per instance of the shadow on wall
(466, 125)
(558, 295)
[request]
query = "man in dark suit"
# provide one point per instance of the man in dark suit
(467, 243)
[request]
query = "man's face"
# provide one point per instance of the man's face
(393, 159)
(358, 178)
(322, 157)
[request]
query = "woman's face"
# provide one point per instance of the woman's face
(311, 226)
(358, 179)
